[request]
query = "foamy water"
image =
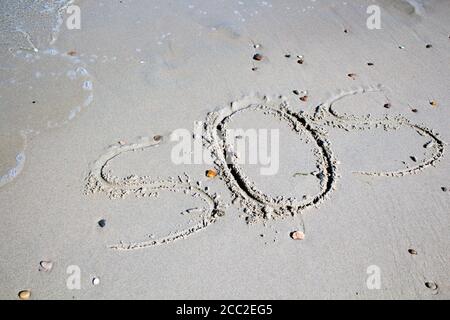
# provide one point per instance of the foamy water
(40, 87)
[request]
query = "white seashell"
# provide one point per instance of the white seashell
(45, 266)
(95, 281)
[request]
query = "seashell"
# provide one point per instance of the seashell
(211, 173)
(121, 142)
(24, 294)
(257, 57)
(412, 251)
(95, 281)
(431, 285)
(102, 223)
(157, 138)
(45, 266)
(297, 235)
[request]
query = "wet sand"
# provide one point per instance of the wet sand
(88, 181)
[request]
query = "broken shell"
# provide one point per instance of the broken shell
(211, 173)
(45, 266)
(304, 98)
(297, 235)
(412, 251)
(95, 281)
(431, 285)
(102, 223)
(24, 294)
(257, 57)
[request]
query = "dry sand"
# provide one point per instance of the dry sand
(85, 127)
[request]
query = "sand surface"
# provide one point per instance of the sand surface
(87, 125)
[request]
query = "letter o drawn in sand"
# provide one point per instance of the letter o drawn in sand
(258, 205)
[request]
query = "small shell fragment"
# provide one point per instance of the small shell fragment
(211, 173)
(297, 235)
(352, 75)
(257, 57)
(102, 223)
(431, 285)
(95, 281)
(45, 266)
(24, 294)
(433, 103)
(412, 251)
(157, 138)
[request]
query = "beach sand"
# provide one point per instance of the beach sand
(86, 134)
